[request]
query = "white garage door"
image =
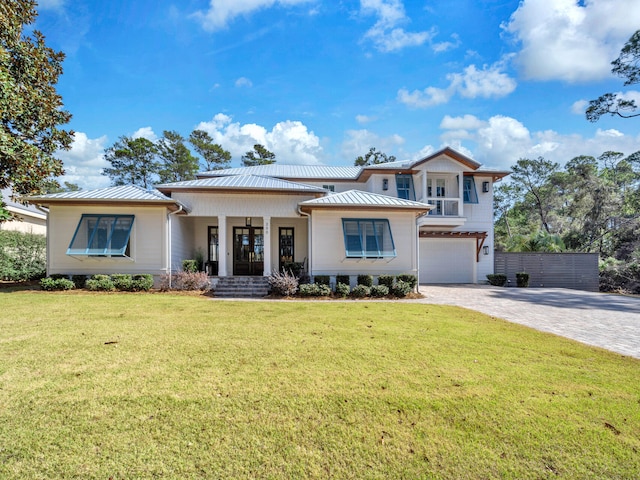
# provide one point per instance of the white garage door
(449, 260)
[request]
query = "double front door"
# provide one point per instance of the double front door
(248, 250)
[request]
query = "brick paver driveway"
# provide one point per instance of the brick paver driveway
(603, 320)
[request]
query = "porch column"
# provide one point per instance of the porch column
(266, 221)
(424, 187)
(461, 195)
(222, 245)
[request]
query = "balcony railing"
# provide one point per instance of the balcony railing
(444, 206)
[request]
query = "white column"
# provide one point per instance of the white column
(424, 187)
(266, 222)
(222, 245)
(460, 194)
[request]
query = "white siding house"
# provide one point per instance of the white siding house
(432, 218)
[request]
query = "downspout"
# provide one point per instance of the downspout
(418, 254)
(169, 215)
(300, 212)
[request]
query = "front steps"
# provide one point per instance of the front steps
(240, 286)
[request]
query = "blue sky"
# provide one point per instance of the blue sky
(320, 82)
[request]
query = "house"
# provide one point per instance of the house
(29, 219)
(431, 217)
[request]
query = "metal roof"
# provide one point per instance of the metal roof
(318, 172)
(11, 204)
(358, 198)
(122, 193)
(241, 182)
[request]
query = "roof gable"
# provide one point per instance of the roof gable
(361, 199)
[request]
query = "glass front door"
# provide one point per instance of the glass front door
(286, 246)
(248, 251)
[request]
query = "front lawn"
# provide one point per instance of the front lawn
(162, 385)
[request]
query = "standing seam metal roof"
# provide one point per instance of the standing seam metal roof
(254, 182)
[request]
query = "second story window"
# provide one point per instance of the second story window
(404, 183)
(469, 190)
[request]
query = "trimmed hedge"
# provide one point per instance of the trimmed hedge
(343, 289)
(361, 291)
(322, 279)
(344, 279)
(401, 288)
(379, 291)
(100, 283)
(22, 256)
(412, 280)
(386, 280)
(314, 290)
(497, 279)
(51, 284)
(366, 280)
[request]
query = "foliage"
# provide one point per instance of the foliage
(294, 267)
(215, 157)
(379, 291)
(283, 283)
(366, 280)
(141, 282)
(322, 279)
(314, 290)
(373, 157)
(31, 111)
(386, 280)
(497, 279)
(178, 162)
(190, 266)
(401, 289)
(80, 281)
(342, 289)
(539, 241)
(177, 386)
(22, 256)
(134, 161)
(51, 284)
(186, 281)
(361, 291)
(522, 279)
(619, 276)
(258, 156)
(626, 66)
(409, 278)
(122, 282)
(100, 283)
(343, 279)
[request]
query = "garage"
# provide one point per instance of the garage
(448, 260)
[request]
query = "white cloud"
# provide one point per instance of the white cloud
(145, 132)
(358, 142)
(84, 162)
(385, 33)
(488, 82)
(579, 107)
(362, 119)
(500, 141)
(571, 40)
(244, 82)
(446, 46)
(221, 12)
(291, 141)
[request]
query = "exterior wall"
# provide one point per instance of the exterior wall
(300, 240)
(240, 205)
(148, 242)
(182, 241)
(327, 242)
(338, 186)
(28, 224)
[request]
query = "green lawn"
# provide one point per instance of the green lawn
(159, 385)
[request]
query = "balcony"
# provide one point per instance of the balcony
(446, 212)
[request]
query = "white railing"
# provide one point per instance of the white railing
(444, 207)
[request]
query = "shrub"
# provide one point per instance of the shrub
(522, 279)
(366, 280)
(50, 284)
(386, 280)
(100, 283)
(412, 280)
(285, 283)
(79, 280)
(141, 282)
(379, 291)
(321, 279)
(190, 266)
(619, 276)
(401, 288)
(22, 256)
(314, 290)
(344, 279)
(360, 291)
(295, 268)
(343, 289)
(122, 281)
(190, 281)
(497, 279)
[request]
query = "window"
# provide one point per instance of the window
(331, 188)
(364, 238)
(404, 183)
(470, 195)
(102, 235)
(440, 187)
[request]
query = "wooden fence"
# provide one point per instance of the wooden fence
(578, 271)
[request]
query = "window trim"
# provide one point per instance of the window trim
(410, 189)
(363, 253)
(87, 251)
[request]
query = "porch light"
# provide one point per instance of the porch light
(247, 222)
(385, 184)
(485, 250)
(485, 187)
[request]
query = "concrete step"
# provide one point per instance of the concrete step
(240, 286)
